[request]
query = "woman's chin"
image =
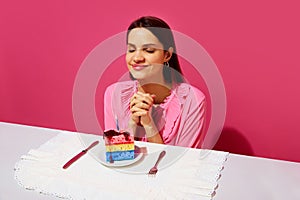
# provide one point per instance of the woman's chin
(139, 76)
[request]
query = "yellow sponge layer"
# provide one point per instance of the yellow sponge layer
(119, 147)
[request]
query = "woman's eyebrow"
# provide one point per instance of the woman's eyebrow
(150, 44)
(129, 44)
(144, 45)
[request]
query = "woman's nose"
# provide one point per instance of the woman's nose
(138, 57)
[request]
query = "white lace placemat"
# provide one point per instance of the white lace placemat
(192, 175)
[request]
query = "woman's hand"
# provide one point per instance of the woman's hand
(140, 108)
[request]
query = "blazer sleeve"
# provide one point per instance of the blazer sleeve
(191, 132)
(109, 119)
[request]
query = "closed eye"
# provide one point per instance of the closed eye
(130, 50)
(149, 50)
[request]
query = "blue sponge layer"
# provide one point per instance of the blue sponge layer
(119, 155)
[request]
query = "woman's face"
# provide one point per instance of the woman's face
(145, 55)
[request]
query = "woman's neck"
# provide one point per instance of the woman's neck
(161, 91)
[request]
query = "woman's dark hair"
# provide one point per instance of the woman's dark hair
(163, 32)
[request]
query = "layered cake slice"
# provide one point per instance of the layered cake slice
(119, 145)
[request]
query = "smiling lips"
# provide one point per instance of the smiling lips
(139, 67)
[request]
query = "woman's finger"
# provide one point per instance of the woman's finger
(139, 114)
(141, 103)
(144, 97)
(138, 109)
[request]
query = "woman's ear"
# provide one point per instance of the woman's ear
(169, 54)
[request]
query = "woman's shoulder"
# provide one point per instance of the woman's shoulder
(121, 85)
(121, 90)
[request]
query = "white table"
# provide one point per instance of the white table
(243, 177)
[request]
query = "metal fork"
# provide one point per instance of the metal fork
(154, 169)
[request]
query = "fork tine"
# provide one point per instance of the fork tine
(152, 173)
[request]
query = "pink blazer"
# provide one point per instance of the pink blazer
(179, 119)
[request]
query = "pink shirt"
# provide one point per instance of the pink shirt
(179, 119)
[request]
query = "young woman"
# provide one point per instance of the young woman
(157, 105)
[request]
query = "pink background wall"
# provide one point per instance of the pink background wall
(255, 46)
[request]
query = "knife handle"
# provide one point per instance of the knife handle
(74, 159)
(79, 155)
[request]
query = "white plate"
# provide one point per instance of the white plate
(142, 163)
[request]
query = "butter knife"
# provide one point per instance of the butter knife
(79, 155)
